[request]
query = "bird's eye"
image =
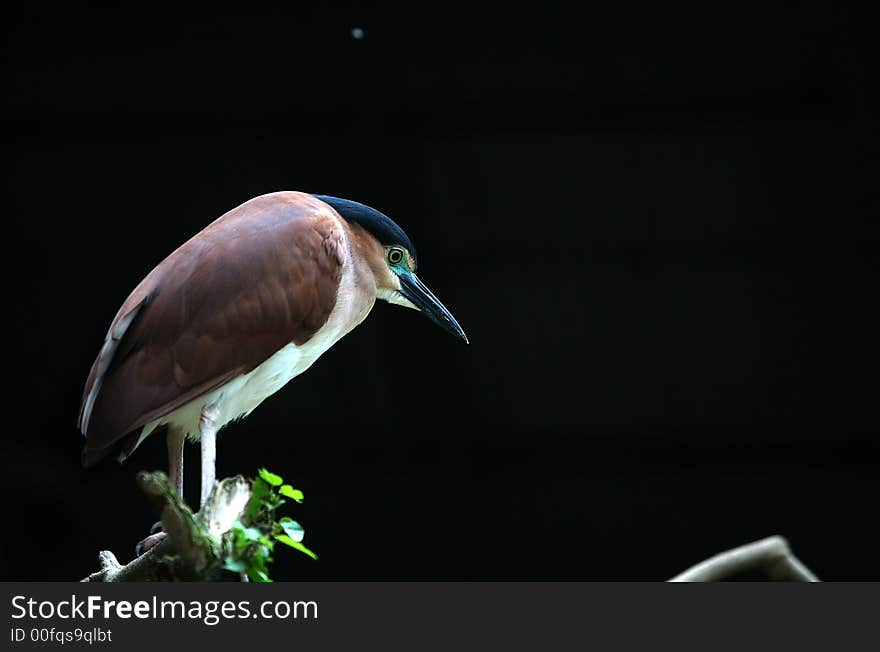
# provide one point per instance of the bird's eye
(395, 256)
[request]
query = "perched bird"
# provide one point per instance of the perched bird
(231, 316)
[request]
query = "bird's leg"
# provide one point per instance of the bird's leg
(208, 438)
(174, 441)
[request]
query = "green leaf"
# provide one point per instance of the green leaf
(252, 534)
(290, 492)
(260, 489)
(270, 477)
(293, 529)
(286, 540)
(258, 575)
(235, 565)
(251, 540)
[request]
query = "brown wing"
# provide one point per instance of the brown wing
(263, 275)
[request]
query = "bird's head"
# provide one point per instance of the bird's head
(395, 273)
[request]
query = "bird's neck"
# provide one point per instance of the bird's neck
(368, 258)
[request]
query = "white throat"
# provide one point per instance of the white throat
(395, 297)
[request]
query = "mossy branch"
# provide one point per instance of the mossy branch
(231, 538)
(192, 550)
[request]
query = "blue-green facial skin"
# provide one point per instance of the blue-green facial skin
(401, 268)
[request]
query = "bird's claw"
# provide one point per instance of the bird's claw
(148, 543)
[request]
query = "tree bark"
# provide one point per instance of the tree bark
(192, 550)
(772, 555)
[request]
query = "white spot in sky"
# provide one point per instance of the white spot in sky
(357, 33)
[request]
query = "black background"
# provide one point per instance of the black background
(657, 226)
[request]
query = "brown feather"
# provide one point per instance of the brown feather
(261, 276)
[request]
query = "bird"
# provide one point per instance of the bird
(235, 313)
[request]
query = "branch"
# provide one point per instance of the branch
(771, 555)
(192, 549)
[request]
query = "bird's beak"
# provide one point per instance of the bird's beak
(422, 298)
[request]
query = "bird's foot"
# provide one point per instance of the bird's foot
(156, 535)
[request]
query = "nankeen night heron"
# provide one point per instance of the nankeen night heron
(236, 312)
